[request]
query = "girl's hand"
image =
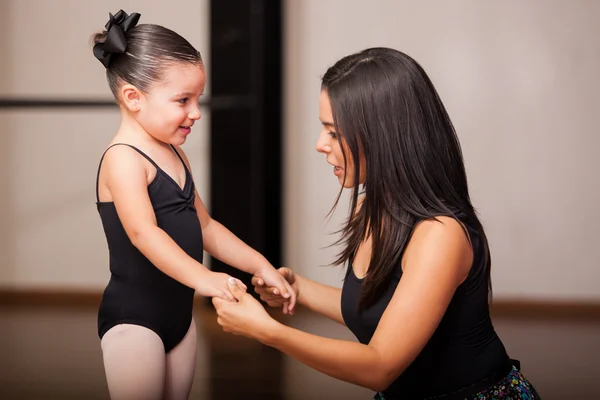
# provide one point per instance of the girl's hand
(215, 284)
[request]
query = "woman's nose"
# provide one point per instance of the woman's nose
(323, 145)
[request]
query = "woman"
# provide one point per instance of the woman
(418, 277)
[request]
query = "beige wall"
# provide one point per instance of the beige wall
(6, 244)
(520, 81)
(51, 235)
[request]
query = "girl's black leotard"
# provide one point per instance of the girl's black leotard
(138, 292)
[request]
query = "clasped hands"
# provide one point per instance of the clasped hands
(245, 315)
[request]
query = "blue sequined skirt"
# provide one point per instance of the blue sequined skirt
(513, 387)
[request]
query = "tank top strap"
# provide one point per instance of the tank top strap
(134, 148)
(181, 158)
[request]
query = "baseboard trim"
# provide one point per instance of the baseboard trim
(546, 309)
(49, 297)
(501, 308)
(56, 298)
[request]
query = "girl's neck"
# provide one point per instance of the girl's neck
(130, 131)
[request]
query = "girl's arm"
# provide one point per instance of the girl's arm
(222, 244)
(126, 177)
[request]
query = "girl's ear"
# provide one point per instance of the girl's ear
(131, 97)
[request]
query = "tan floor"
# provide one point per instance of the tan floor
(54, 353)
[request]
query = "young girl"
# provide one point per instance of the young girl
(155, 223)
(417, 284)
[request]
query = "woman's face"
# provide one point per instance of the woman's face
(330, 143)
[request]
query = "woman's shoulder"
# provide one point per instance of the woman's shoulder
(441, 226)
(441, 239)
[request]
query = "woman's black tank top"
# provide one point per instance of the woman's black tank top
(463, 351)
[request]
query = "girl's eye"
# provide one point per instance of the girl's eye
(332, 134)
(183, 101)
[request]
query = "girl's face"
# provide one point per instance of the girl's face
(170, 107)
(330, 143)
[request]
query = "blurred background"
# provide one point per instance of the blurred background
(519, 79)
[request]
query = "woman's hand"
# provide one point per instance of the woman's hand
(271, 295)
(245, 317)
(278, 284)
(215, 284)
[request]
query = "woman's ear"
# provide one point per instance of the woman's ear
(131, 97)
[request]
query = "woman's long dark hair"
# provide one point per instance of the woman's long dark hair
(386, 107)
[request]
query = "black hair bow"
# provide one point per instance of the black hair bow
(115, 42)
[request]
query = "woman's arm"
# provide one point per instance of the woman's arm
(437, 261)
(323, 299)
